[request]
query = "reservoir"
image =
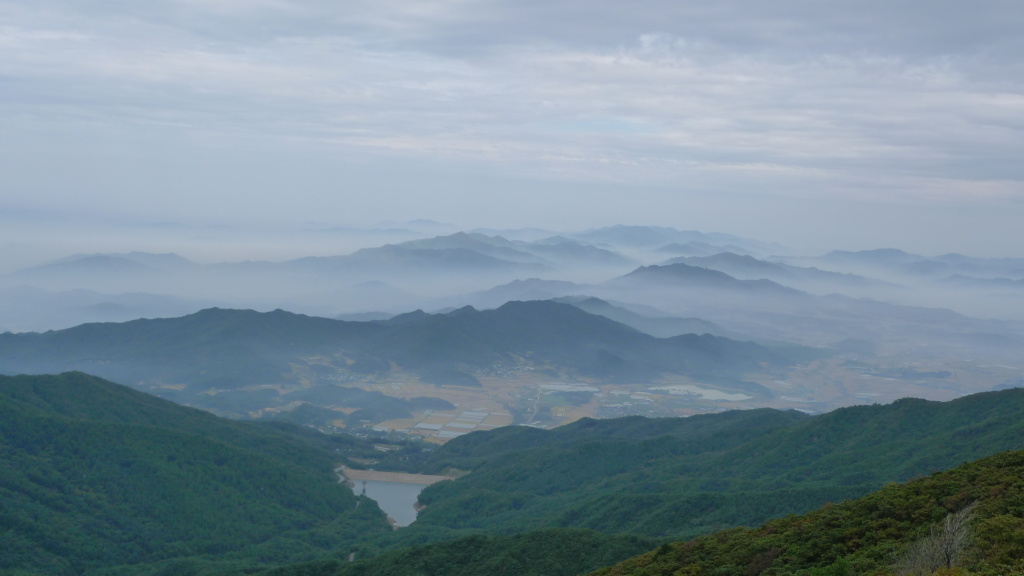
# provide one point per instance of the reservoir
(394, 492)
(396, 499)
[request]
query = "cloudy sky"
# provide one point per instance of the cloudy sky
(819, 124)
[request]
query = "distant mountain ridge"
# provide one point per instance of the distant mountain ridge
(660, 327)
(687, 276)
(28, 309)
(895, 261)
(652, 237)
(227, 349)
(460, 252)
(799, 277)
(326, 285)
(448, 271)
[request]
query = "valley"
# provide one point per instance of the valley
(572, 419)
(511, 288)
(77, 447)
(531, 397)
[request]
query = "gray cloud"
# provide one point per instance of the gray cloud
(251, 109)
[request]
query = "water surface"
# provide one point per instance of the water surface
(396, 499)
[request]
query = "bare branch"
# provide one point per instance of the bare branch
(943, 548)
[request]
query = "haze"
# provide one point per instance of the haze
(226, 130)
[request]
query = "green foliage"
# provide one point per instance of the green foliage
(864, 536)
(551, 552)
(98, 479)
(94, 475)
(684, 477)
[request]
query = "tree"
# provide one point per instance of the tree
(942, 548)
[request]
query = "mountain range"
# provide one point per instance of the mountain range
(101, 479)
(475, 330)
(682, 477)
(620, 263)
(809, 279)
(227, 350)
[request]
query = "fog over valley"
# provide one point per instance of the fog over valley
(511, 287)
(505, 324)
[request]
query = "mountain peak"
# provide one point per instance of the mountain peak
(680, 270)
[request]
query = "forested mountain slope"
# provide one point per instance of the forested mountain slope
(548, 552)
(890, 531)
(99, 479)
(94, 475)
(882, 533)
(682, 477)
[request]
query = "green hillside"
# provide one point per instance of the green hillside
(96, 478)
(885, 532)
(684, 477)
(94, 475)
(550, 552)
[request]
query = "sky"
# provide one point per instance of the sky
(816, 124)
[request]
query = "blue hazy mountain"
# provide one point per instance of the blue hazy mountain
(695, 248)
(897, 262)
(228, 349)
(27, 309)
(658, 326)
(806, 278)
(695, 277)
(654, 237)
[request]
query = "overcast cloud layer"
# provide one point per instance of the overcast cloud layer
(837, 124)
